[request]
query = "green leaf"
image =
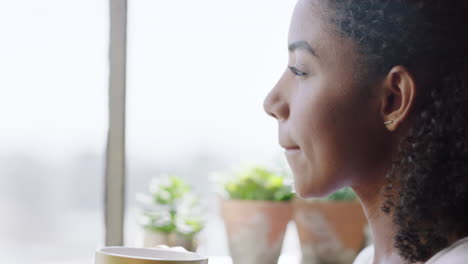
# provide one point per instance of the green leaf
(258, 183)
(344, 194)
(172, 207)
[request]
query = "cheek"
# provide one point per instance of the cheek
(325, 117)
(326, 121)
(329, 137)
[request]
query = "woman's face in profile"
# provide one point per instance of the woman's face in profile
(328, 124)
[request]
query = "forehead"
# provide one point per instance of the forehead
(307, 23)
(310, 23)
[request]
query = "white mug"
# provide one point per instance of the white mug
(128, 255)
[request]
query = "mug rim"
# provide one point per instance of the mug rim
(196, 256)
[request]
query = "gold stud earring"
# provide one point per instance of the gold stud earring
(388, 122)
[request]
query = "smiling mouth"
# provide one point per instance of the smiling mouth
(291, 149)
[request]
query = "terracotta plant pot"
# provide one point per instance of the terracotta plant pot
(255, 229)
(154, 238)
(329, 231)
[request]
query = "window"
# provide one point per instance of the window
(197, 75)
(53, 105)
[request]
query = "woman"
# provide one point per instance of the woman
(375, 97)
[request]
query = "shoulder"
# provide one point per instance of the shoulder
(366, 256)
(457, 253)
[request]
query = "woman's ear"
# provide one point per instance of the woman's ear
(399, 94)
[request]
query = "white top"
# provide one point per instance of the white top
(457, 253)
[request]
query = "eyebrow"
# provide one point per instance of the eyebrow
(302, 45)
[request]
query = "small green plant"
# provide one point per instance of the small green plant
(258, 183)
(345, 194)
(171, 207)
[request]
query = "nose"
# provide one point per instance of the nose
(275, 103)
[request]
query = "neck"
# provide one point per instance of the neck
(381, 224)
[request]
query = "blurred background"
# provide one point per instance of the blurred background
(197, 75)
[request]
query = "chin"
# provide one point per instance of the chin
(310, 181)
(313, 187)
(304, 194)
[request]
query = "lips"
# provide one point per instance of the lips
(287, 144)
(290, 147)
(286, 140)
(292, 151)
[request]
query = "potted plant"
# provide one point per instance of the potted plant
(171, 214)
(331, 230)
(256, 210)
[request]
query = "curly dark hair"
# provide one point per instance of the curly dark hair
(429, 38)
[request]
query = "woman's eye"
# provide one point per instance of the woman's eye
(297, 72)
